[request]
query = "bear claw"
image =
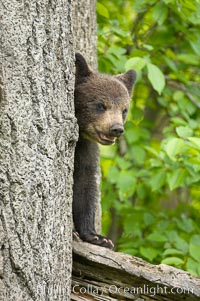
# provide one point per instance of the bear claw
(98, 240)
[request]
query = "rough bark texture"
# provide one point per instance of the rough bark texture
(101, 274)
(85, 30)
(85, 42)
(37, 139)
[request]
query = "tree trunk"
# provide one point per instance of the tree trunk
(85, 30)
(85, 42)
(37, 140)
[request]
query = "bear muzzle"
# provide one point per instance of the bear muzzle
(111, 135)
(106, 139)
(116, 130)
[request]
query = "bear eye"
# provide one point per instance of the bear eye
(124, 113)
(100, 107)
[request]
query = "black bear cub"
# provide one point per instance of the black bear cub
(101, 106)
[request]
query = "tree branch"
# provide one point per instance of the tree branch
(102, 274)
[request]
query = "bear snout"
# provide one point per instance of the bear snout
(116, 130)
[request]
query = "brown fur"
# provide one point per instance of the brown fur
(101, 106)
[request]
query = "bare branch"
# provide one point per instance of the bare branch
(102, 274)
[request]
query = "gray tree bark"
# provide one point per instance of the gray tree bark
(104, 275)
(37, 139)
(85, 42)
(85, 30)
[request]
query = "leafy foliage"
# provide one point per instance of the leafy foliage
(151, 179)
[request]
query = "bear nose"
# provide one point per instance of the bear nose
(116, 130)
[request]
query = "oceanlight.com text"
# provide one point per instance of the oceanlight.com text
(143, 290)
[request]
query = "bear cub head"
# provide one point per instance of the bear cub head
(101, 102)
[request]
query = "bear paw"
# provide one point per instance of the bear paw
(98, 240)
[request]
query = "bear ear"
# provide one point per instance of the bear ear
(82, 68)
(128, 79)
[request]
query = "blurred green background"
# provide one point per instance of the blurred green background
(151, 177)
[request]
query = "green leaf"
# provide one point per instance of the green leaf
(173, 261)
(194, 251)
(168, 1)
(173, 147)
(172, 235)
(186, 224)
(126, 184)
(137, 115)
(130, 251)
(156, 77)
(181, 244)
(157, 236)
(155, 163)
(148, 218)
(178, 121)
(176, 179)
(117, 51)
(138, 153)
(120, 32)
(189, 58)
(122, 163)
(186, 106)
(102, 10)
(172, 252)
(113, 174)
(195, 239)
(192, 266)
(133, 134)
(152, 151)
(195, 46)
(195, 141)
(158, 180)
(178, 95)
(140, 4)
(168, 154)
(149, 253)
(160, 12)
(148, 47)
(136, 63)
(178, 242)
(171, 63)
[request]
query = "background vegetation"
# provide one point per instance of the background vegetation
(151, 178)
